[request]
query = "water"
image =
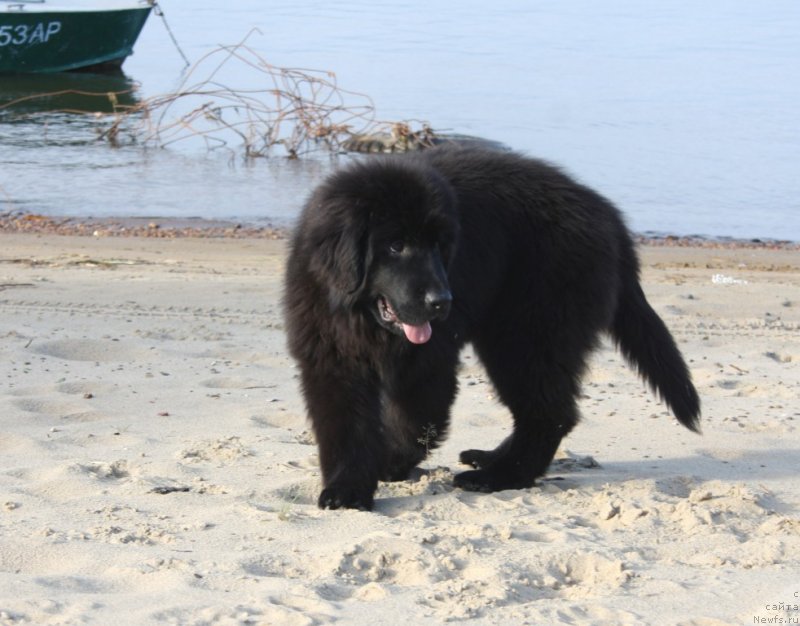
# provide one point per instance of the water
(683, 113)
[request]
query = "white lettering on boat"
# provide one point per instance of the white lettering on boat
(28, 34)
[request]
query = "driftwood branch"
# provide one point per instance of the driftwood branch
(296, 110)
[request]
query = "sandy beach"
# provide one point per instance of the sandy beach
(156, 465)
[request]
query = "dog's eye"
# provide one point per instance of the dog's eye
(397, 247)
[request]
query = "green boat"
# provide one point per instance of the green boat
(39, 36)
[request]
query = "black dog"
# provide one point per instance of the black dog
(396, 263)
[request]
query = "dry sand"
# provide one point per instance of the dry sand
(155, 464)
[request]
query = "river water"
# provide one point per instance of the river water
(684, 113)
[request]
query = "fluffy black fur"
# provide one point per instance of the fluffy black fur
(491, 248)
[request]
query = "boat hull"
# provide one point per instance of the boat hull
(40, 42)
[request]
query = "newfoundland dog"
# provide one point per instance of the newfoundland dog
(398, 262)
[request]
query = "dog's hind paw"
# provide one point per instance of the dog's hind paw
(473, 481)
(477, 458)
(487, 480)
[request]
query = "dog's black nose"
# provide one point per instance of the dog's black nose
(438, 302)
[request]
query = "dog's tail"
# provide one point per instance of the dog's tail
(647, 344)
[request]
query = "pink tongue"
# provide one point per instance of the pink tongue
(418, 334)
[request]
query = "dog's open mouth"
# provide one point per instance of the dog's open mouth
(415, 333)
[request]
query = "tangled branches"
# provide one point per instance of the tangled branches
(233, 99)
(299, 110)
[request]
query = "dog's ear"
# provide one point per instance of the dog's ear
(444, 216)
(339, 247)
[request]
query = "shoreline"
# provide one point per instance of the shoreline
(201, 228)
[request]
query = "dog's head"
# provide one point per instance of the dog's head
(381, 235)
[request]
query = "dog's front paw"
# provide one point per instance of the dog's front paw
(346, 497)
